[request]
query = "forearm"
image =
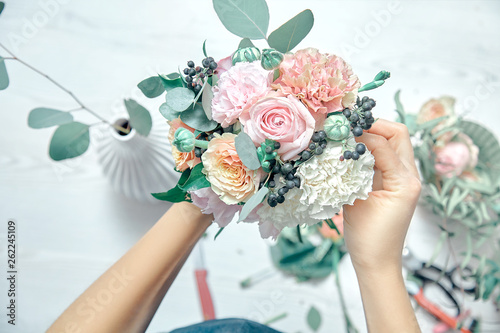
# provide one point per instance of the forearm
(385, 301)
(126, 296)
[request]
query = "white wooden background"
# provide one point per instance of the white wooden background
(72, 226)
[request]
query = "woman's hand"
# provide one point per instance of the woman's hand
(375, 229)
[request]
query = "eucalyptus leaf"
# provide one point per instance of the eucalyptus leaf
(313, 319)
(197, 119)
(151, 87)
(290, 34)
(253, 202)
(167, 112)
(69, 140)
(437, 248)
(196, 180)
(4, 76)
(140, 118)
(244, 18)
(173, 195)
(468, 255)
(2, 6)
(180, 99)
(44, 117)
(399, 108)
(171, 81)
(490, 281)
(245, 42)
(206, 100)
(246, 151)
(205, 48)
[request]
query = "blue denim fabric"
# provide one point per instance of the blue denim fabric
(228, 325)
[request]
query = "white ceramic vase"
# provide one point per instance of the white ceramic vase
(136, 165)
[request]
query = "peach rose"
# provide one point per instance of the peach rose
(182, 160)
(324, 82)
(229, 178)
(436, 108)
(283, 119)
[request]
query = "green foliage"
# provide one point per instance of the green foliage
(205, 48)
(173, 195)
(2, 6)
(151, 87)
(167, 112)
(197, 180)
(171, 81)
(244, 18)
(290, 34)
(44, 117)
(139, 117)
(245, 42)
(4, 76)
(218, 233)
(197, 119)
(314, 319)
(206, 100)
(69, 140)
(253, 202)
(180, 98)
(246, 151)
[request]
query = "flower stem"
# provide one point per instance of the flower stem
(201, 144)
(57, 84)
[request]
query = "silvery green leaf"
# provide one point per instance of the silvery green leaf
(197, 119)
(206, 100)
(151, 87)
(245, 42)
(69, 140)
(244, 18)
(437, 248)
(468, 254)
(171, 81)
(290, 34)
(180, 99)
(314, 319)
(4, 76)
(167, 112)
(399, 108)
(139, 117)
(253, 202)
(246, 151)
(44, 117)
(2, 6)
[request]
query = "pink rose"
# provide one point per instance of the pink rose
(230, 179)
(324, 82)
(238, 89)
(281, 118)
(452, 159)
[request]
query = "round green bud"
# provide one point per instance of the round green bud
(247, 54)
(271, 59)
(337, 127)
(183, 140)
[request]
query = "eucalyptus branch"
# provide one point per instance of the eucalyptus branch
(60, 86)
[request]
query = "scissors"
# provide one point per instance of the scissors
(447, 281)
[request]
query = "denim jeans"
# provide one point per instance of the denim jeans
(228, 325)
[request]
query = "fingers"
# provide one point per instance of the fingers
(386, 160)
(398, 138)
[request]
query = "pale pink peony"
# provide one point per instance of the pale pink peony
(324, 82)
(224, 64)
(210, 203)
(238, 89)
(228, 176)
(280, 118)
(452, 159)
(182, 160)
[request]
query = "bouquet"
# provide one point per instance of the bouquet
(459, 161)
(268, 134)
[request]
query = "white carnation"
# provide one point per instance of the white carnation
(328, 183)
(288, 214)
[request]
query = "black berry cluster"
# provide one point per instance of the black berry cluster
(316, 147)
(195, 75)
(361, 117)
(359, 150)
(287, 171)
